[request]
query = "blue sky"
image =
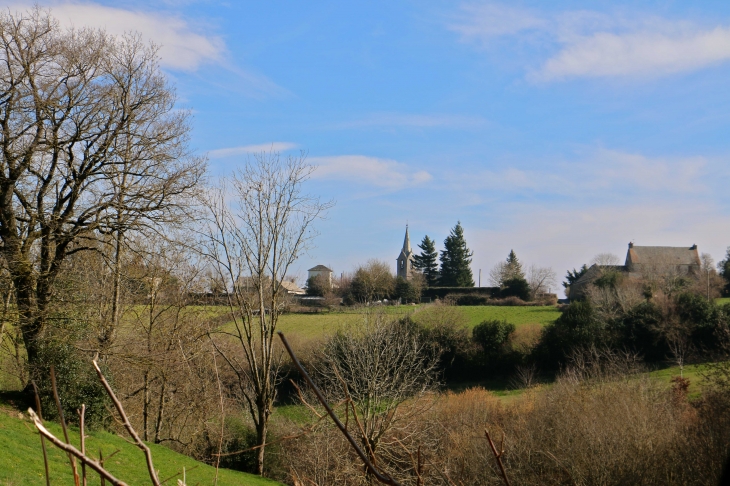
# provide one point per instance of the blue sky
(558, 129)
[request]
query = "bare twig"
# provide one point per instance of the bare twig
(43, 441)
(383, 478)
(138, 442)
(498, 455)
(223, 418)
(82, 414)
(71, 450)
(63, 424)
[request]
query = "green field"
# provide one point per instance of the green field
(21, 459)
(514, 315)
(310, 326)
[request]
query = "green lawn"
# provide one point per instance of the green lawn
(514, 315)
(21, 459)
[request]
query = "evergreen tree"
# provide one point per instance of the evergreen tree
(724, 271)
(514, 283)
(513, 269)
(427, 261)
(455, 260)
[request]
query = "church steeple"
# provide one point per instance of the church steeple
(407, 243)
(405, 259)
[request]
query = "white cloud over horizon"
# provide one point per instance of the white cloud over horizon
(226, 152)
(181, 46)
(590, 44)
(383, 173)
(595, 172)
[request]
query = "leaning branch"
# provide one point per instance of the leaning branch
(383, 478)
(128, 426)
(71, 450)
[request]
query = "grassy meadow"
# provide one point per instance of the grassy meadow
(315, 325)
(21, 458)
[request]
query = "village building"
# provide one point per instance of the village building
(644, 263)
(320, 270)
(404, 262)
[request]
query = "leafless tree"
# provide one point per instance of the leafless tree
(80, 113)
(259, 223)
(376, 366)
(603, 259)
(541, 279)
(497, 274)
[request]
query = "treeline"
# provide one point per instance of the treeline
(374, 281)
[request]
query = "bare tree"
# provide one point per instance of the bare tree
(604, 259)
(259, 223)
(541, 280)
(72, 103)
(377, 366)
(497, 274)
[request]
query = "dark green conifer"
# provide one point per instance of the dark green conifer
(456, 260)
(427, 261)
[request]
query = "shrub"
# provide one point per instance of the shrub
(76, 379)
(515, 287)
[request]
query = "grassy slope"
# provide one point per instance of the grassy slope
(21, 459)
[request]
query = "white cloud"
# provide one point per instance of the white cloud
(643, 53)
(223, 153)
(484, 22)
(595, 44)
(383, 173)
(595, 174)
(181, 46)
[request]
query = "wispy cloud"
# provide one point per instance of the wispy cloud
(596, 44)
(223, 153)
(389, 120)
(596, 173)
(182, 47)
(384, 173)
(643, 53)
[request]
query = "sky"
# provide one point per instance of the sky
(558, 129)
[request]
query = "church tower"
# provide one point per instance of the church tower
(405, 259)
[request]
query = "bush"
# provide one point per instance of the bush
(515, 287)
(577, 327)
(493, 336)
(76, 379)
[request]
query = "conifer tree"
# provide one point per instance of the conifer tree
(427, 261)
(456, 260)
(514, 282)
(513, 270)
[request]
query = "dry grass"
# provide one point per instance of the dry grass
(594, 432)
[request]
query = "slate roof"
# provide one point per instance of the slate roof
(662, 255)
(319, 268)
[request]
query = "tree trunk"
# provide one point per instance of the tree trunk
(261, 429)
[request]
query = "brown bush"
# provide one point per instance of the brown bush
(610, 431)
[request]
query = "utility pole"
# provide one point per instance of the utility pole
(480, 277)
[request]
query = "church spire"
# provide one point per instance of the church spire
(405, 259)
(407, 243)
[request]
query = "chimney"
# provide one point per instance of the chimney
(693, 247)
(631, 244)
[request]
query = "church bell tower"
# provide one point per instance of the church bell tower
(405, 259)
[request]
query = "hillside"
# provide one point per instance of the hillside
(21, 458)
